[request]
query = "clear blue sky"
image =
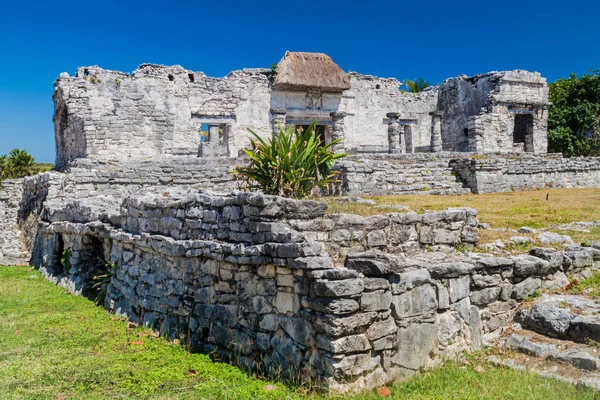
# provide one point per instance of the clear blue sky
(435, 39)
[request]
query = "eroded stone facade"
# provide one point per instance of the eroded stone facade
(158, 111)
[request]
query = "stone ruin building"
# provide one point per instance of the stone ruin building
(159, 111)
(275, 284)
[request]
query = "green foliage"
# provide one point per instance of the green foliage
(273, 72)
(291, 164)
(416, 86)
(65, 260)
(17, 164)
(102, 280)
(574, 119)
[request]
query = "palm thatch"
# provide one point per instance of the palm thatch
(300, 71)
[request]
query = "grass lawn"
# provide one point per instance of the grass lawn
(58, 346)
(500, 210)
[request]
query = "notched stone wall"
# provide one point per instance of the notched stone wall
(276, 284)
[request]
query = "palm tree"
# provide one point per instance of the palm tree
(18, 164)
(415, 86)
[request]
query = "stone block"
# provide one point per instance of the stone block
(421, 300)
(346, 344)
(333, 305)
(415, 342)
(485, 296)
(459, 288)
(346, 287)
(287, 303)
(381, 328)
(379, 300)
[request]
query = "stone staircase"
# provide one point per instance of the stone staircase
(400, 176)
(558, 336)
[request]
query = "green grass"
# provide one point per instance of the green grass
(589, 286)
(58, 346)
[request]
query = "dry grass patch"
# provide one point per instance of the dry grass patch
(536, 209)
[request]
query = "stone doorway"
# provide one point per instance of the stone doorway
(320, 130)
(523, 131)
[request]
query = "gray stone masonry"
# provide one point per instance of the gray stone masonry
(527, 172)
(275, 284)
(12, 244)
(158, 111)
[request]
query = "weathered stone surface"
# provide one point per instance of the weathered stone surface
(382, 328)
(370, 263)
(407, 280)
(333, 306)
(421, 300)
(345, 287)
(414, 345)
(527, 346)
(378, 300)
(578, 358)
(459, 288)
(526, 265)
(347, 344)
(485, 296)
(526, 288)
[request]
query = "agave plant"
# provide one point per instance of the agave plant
(290, 164)
(102, 280)
(416, 86)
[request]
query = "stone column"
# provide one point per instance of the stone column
(394, 137)
(436, 132)
(278, 117)
(408, 138)
(213, 133)
(338, 130)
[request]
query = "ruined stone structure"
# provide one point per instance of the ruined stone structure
(159, 111)
(277, 284)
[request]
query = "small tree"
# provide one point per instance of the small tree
(17, 164)
(416, 86)
(291, 164)
(574, 118)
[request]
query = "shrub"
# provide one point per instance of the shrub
(291, 164)
(17, 164)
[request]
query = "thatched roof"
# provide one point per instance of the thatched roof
(299, 71)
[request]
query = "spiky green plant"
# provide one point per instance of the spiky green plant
(416, 86)
(291, 164)
(102, 280)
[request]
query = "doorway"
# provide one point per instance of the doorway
(523, 131)
(319, 130)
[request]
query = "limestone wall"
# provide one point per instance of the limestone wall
(12, 246)
(158, 111)
(154, 112)
(498, 174)
(275, 284)
(479, 112)
(370, 99)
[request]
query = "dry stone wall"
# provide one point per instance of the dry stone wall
(275, 284)
(504, 174)
(12, 245)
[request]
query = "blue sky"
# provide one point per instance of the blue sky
(434, 39)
